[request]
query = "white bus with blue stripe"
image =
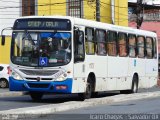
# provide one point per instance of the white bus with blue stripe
(57, 54)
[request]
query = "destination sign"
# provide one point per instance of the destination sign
(42, 24)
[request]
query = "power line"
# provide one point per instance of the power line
(113, 5)
(62, 9)
(116, 12)
(56, 4)
(49, 4)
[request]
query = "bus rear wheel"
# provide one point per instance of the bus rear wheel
(134, 88)
(88, 93)
(36, 96)
(134, 85)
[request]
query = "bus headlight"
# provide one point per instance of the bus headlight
(62, 77)
(16, 76)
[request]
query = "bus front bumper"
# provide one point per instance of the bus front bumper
(52, 87)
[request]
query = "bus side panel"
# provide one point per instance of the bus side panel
(117, 73)
(137, 65)
(79, 84)
(151, 72)
(98, 65)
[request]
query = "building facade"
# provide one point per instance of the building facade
(9, 11)
(151, 19)
(110, 11)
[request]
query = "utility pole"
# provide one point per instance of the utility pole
(139, 12)
(80, 8)
(97, 10)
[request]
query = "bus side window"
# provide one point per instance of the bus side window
(132, 45)
(78, 46)
(101, 42)
(112, 43)
(149, 47)
(155, 48)
(89, 44)
(122, 42)
(140, 46)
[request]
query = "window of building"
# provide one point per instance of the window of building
(101, 42)
(149, 47)
(112, 43)
(75, 8)
(140, 46)
(122, 43)
(132, 45)
(89, 37)
(28, 7)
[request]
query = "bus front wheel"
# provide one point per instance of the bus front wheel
(36, 96)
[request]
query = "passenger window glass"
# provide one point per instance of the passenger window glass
(140, 45)
(132, 45)
(149, 47)
(1, 68)
(101, 42)
(89, 37)
(111, 43)
(90, 48)
(122, 42)
(155, 48)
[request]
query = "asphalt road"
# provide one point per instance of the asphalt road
(146, 106)
(148, 109)
(8, 103)
(15, 102)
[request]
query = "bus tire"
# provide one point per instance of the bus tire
(94, 94)
(36, 96)
(134, 87)
(88, 93)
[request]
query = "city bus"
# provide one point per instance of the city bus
(62, 54)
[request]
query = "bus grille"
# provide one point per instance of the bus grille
(35, 79)
(32, 85)
(39, 72)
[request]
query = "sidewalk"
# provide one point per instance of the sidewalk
(6, 93)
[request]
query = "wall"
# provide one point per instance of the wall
(49, 7)
(10, 10)
(5, 51)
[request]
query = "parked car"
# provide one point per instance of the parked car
(4, 75)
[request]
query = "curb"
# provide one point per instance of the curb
(53, 108)
(11, 94)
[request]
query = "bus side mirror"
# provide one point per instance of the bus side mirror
(3, 40)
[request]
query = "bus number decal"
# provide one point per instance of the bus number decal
(91, 65)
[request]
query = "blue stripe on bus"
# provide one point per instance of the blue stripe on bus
(21, 85)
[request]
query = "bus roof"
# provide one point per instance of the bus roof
(99, 25)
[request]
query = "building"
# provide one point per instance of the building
(8, 13)
(151, 18)
(108, 11)
(111, 11)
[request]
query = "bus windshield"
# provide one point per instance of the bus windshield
(29, 48)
